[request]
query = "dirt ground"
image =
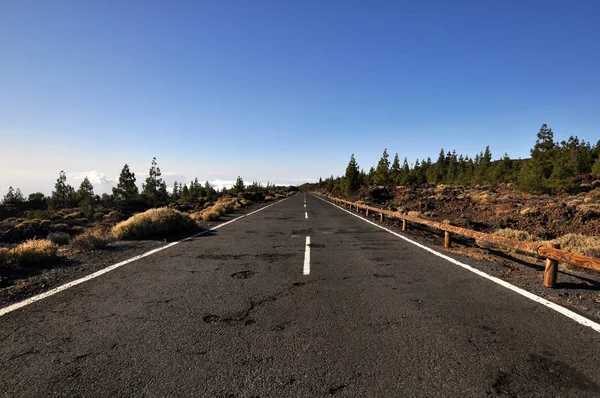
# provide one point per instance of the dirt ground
(488, 209)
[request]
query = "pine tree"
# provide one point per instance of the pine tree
(596, 167)
(175, 196)
(239, 185)
(185, 192)
(63, 195)
(535, 174)
(126, 189)
(211, 194)
(395, 170)
(351, 181)
(85, 195)
(155, 188)
(382, 172)
(13, 196)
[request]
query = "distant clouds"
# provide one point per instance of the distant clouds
(103, 182)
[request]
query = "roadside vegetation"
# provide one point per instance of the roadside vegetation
(553, 196)
(43, 229)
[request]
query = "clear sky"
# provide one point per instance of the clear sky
(284, 91)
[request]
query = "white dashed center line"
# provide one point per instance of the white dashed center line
(307, 257)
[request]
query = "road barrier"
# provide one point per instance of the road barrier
(553, 254)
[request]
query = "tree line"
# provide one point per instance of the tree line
(553, 168)
(126, 196)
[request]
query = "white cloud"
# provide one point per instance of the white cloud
(94, 176)
(219, 184)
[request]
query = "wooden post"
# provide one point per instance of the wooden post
(367, 213)
(357, 209)
(447, 240)
(381, 217)
(404, 225)
(551, 270)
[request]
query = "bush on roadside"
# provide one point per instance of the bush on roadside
(153, 222)
(517, 234)
(59, 238)
(211, 215)
(92, 239)
(31, 251)
(580, 244)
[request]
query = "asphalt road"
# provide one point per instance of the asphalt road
(230, 314)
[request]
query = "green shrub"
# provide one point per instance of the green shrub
(37, 214)
(153, 222)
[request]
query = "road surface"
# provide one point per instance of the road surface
(251, 310)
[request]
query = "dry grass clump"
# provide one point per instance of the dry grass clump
(153, 222)
(576, 243)
(92, 239)
(413, 213)
(60, 238)
(31, 251)
(593, 196)
(515, 234)
(206, 215)
(211, 215)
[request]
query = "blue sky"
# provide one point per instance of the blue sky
(284, 91)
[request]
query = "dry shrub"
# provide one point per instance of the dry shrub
(528, 211)
(268, 198)
(31, 251)
(484, 198)
(593, 196)
(113, 217)
(211, 215)
(153, 222)
(219, 208)
(415, 214)
(576, 243)
(60, 238)
(92, 239)
(515, 234)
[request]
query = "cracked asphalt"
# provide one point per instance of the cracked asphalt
(229, 314)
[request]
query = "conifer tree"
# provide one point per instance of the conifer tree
(176, 195)
(351, 181)
(63, 195)
(382, 172)
(13, 196)
(155, 188)
(85, 195)
(395, 170)
(239, 186)
(126, 189)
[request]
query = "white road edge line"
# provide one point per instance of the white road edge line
(307, 257)
(562, 310)
(305, 214)
(51, 292)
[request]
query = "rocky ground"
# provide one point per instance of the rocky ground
(488, 209)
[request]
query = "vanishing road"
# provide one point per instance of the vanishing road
(300, 299)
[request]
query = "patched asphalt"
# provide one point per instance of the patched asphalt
(229, 314)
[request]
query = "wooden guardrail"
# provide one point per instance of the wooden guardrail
(553, 254)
